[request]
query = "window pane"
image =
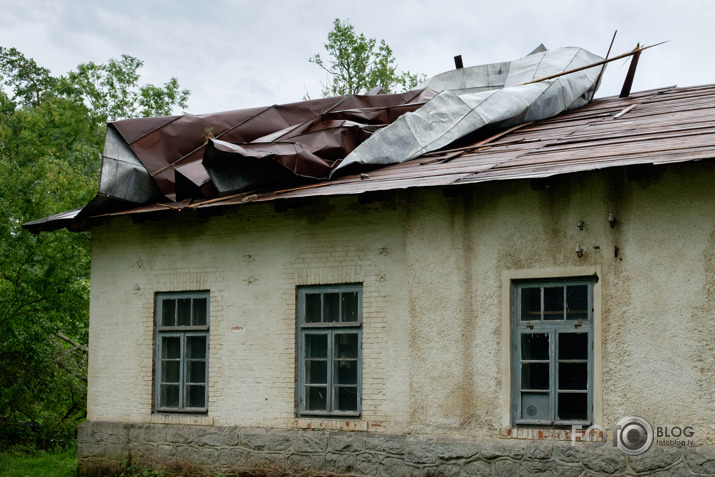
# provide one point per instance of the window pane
(535, 376)
(313, 310)
(169, 395)
(535, 346)
(577, 302)
(316, 346)
(573, 406)
(346, 345)
(328, 363)
(196, 347)
(346, 398)
(170, 372)
(573, 346)
(195, 396)
(554, 303)
(535, 406)
(331, 307)
(316, 372)
(350, 306)
(530, 304)
(196, 372)
(573, 375)
(346, 372)
(171, 347)
(199, 311)
(168, 312)
(183, 306)
(316, 398)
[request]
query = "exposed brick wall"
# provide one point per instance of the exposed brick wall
(251, 263)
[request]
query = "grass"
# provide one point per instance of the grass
(39, 464)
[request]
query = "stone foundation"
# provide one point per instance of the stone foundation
(214, 450)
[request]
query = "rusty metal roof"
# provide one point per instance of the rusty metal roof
(662, 126)
(653, 127)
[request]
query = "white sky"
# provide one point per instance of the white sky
(239, 54)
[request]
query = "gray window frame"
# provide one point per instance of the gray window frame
(182, 332)
(331, 329)
(553, 328)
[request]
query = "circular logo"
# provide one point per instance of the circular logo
(634, 435)
(531, 410)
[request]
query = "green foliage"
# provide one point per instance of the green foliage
(111, 91)
(39, 464)
(29, 81)
(358, 64)
(51, 136)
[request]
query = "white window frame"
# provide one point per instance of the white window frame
(182, 332)
(553, 328)
(332, 330)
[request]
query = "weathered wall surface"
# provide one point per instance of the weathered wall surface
(220, 450)
(656, 271)
(436, 272)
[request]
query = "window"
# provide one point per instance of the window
(329, 350)
(553, 352)
(182, 351)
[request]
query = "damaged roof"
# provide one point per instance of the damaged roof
(290, 151)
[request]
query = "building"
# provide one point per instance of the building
(473, 311)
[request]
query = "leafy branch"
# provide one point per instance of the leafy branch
(357, 64)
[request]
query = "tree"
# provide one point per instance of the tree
(51, 136)
(112, 92)
(28, 80)
(358, 64)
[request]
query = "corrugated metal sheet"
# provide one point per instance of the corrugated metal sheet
(505, 94)
(654, 127)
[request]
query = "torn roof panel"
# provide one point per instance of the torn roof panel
(167, 143)
(318, 148)
(451, 116)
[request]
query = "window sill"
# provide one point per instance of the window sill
(544, 433)
(169, 418)
(331, 424)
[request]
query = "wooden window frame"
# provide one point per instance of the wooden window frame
(553, 328)
(182, 332)
(331, 329)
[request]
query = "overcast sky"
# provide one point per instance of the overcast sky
(239, 54)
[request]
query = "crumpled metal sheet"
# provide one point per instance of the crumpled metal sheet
(123, 176)
(497, 95)
(201, 156)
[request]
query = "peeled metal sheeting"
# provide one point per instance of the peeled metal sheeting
(503, 97)
(123, 176)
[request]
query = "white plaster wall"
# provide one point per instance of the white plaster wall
(436, 273)
(656, 353)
